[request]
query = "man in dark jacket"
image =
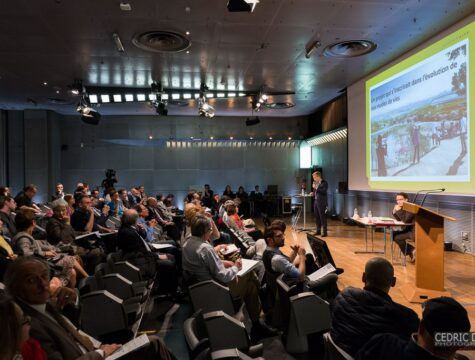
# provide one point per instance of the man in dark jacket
(359, 314)
(440, 315)
(407, 233)
(320, 188)
(131, 240)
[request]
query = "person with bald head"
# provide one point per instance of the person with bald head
(131, 240)
(359, 314)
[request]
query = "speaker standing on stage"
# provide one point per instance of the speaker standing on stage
(320, 187)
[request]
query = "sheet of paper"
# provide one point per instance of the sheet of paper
(247, 265)
(96, 233)
(107, 234)
(324, 270)
(132, 345)
(160, 246)
(230, 249)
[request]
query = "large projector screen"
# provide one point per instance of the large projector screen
(418, 119)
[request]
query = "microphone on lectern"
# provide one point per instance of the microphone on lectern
(427, 192)
(435, 191)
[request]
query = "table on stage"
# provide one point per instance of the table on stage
(373, 223)
(304, 209)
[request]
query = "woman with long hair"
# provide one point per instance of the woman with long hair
(15, 342)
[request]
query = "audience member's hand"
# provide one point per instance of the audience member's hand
(397, 208)
(301, 252)
(67, 219)
(163, 257)
(152, 223)
(50, 253)
(64, 296)
(295, 248)
(238, 264)
(54, 284)
(227, 263)
(109, 349)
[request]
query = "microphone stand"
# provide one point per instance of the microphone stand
(431, 192)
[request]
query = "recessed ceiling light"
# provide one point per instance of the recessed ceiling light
(93, 99)
(57, 91)
(150, 137)
(129, 97)
(187, 33)
(117, 97)
(270, 137)
(211, 137)
(231, 138)
(289, 138)
(187, 51)
(125, 6)
(105, 98)
(45, 83)
(141, 97)
(251, 138)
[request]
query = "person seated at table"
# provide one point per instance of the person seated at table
(407, 232)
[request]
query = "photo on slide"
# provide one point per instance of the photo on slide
(419, 120)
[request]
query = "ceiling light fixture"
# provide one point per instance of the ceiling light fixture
(311, 47)
(204, 109)
(160, 101)
(88, 114)
(118, 43)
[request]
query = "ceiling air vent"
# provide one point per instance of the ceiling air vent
(161, 41)
(350, 48)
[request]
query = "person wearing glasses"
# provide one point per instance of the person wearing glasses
(15, 341)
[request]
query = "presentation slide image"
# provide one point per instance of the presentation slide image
(419, 120)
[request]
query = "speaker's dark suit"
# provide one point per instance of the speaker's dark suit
(320, 205)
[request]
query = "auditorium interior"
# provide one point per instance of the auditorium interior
(298, 150)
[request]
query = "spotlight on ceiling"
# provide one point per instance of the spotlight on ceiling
(76, 88)
(242, 5)
(251, 122)
(259, 100)
(159, 102)
(118, 42)
(311, 47)
(204, 109)
(88, 114)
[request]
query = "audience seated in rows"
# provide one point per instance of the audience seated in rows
(27, 280)
(201, 263)
(131, 241)
(7, 207)
(25, 245)
(297, 266)
(170, 227)
(25, 197)
(61, 234)
(359, 314)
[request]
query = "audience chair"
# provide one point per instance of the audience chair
(104, 314)
(333, 351)
(309, 314)
(210, 296)
(231, 354)
(123, 288)
(196, 337)
(225, 332)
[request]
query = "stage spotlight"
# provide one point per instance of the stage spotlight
(88, 114)
(204, 109)
(311, 47)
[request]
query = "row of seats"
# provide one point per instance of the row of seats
(118, 293)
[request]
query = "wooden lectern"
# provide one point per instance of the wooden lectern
(429, 231)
